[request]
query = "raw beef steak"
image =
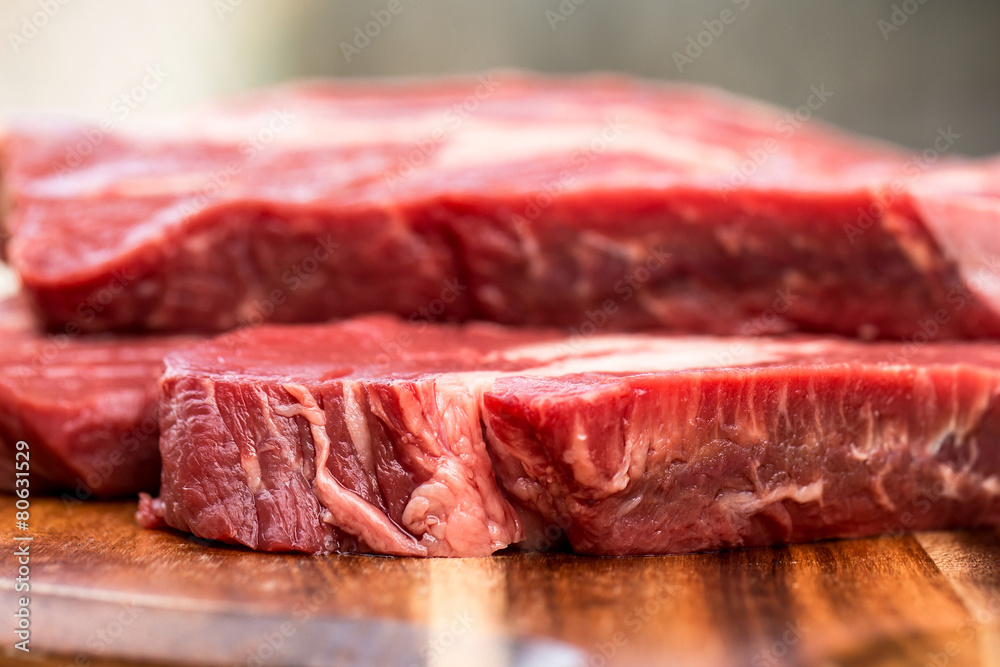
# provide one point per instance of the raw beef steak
(578, 203)
(433, 440)
(86, 407)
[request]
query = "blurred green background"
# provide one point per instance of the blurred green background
(898, 69)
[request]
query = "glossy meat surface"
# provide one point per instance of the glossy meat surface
(86, 406)
(582, 203)
(377, 435)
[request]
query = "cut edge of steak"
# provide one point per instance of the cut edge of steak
(751, 458)
(396, 469)
(470, 439)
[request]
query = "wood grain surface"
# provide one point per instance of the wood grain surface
(106, 592)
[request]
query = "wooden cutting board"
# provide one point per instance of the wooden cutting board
(105, 592)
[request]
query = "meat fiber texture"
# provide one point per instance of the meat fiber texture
(594, 202)
(379, 436)
(86, 407)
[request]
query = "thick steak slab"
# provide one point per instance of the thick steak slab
(591, 202)
(417, 439)
(87, 407)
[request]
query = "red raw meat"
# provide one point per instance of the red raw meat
(585, 203)
(87, 407)
(380, 436)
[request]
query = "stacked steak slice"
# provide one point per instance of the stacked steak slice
(87, 407)
(713, 325)
(413, 439)
(569, 203)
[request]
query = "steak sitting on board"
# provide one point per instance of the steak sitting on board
(86, 407)
(432, 440)
(589, 202)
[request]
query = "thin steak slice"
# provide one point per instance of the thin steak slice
(434, 440)
(583, 203)
(86, 407)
